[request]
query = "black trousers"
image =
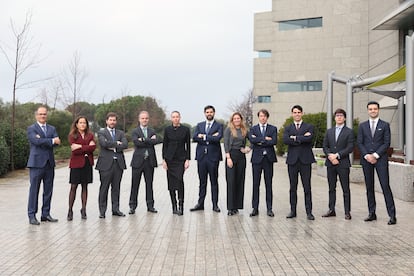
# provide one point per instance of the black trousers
(266, 167)
(208, 168)
(235, 178)
(305, 171)
(148, 171)
(110, 178)
(384, 178)
(333, 172)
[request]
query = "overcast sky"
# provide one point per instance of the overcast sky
(184, 53)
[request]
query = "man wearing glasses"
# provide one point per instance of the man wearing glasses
(337, 145)
(42, 138)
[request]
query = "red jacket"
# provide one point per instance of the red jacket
(77, 159)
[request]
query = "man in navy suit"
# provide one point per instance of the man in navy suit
(298, 136)
(263, 138)
(208, 134)
(143, 161)
(337, 145)
(111, 164)
(42, 138)
(374, 138)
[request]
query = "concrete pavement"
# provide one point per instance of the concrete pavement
(205, 242)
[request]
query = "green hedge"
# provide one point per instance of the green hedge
(21, 144)
(4, 156)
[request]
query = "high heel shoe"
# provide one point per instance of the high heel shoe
(83, 213)
(70, 215)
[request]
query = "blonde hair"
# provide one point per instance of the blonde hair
(233, 129)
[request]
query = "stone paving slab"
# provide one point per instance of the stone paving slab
(203, 243)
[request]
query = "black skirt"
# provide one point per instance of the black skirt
(81, 175)
(175, 175)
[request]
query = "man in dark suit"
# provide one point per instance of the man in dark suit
(111, 163)
(298, 136)
(263, 138)
(208, 134)
(42, 138)
(374, 138)
(143, 161)
(338, 143)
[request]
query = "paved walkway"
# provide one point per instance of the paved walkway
(203, 243)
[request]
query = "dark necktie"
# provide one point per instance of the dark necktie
(113, 134)
(263, 130)
(208, 127)
(297, 126)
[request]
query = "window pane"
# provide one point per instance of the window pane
(299, 86)
(300, 24)
(265, 54)
(263, 99)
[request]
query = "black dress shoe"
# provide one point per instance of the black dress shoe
(118, 214)
(101, 216)
(291, 215)
(152, 210)
(392, 221)
(49, 219)
(330, 213)
(198, 207)
(348, 216)
(270, 213)
(216, 209)
(131, 211)
(371, 217)
(231, 213)
(311, 217)
(254, 213)
(34, 221)
(235, 211)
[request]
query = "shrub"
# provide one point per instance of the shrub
(21, 144)
(4, 156)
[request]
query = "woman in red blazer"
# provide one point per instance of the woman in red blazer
(82, 143)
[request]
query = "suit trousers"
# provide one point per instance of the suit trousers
(333, 172)
(305, 171)
(110, 178)
(207, 168)
(383, 176)
(148, 172)
(46, 174)
(235, 178)
(266, 167)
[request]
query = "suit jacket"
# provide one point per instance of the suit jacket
(176, 144)
(212, 143)
(143, 145)
(260, 145)
(111, 149)
(379, 143)
(77, 158)
(41, 146)
(301, 148)
(344, 145)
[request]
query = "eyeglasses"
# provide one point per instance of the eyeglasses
(42, 114)
(339, 115)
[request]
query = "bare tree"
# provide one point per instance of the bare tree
(22, 55)
(245, 107)
(74, 77)
(51, 94)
